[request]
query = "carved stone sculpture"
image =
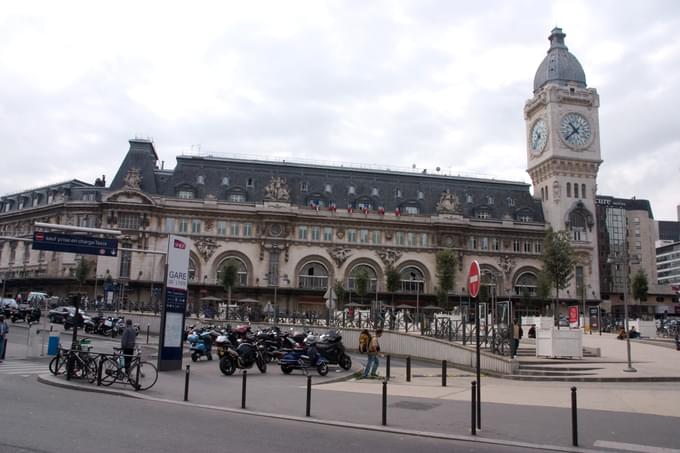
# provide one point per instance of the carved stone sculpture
(206, 247)
(339, 254)
(449, 203)
(389, 256)
(133, 180)
(277, 190)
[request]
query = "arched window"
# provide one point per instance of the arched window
(583, 190)
(192, 269)
(313, 275)
(372, 277)
(411, 280)
(568, 190)
(577, 222)
(242, 270)
(576, 190)
(526, 284)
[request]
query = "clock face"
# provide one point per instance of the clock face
(575, 130)
(539, 136)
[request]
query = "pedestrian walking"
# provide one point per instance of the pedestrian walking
(4, 330)
(127, 343)
(516, 335)
(373, 354)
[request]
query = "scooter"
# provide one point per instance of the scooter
(201, 345)
(331, 348)
(303, 357)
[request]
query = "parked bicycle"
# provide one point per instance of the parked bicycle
(140, 375)
(84, 363)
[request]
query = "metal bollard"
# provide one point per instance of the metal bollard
(473, 413)
(147, 333)
(408, 369)
(309, 395)
(574, 420)
(387, 367)
(243, 389)
(100, 367)
(443, 373)
(186, 383)
(384, 403)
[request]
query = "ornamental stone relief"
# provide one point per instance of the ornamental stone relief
(449, 204)
(277, 190)
(133, 179)
(339, 254)
(389, 256)
(206, 247)
(506, 264)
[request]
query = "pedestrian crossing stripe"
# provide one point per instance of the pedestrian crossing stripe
(23, 368)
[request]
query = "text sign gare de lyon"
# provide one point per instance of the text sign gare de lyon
(71, 243)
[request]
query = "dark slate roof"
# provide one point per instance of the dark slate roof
(669, 230)
(559, 66)
(73, 188)
(250, 177)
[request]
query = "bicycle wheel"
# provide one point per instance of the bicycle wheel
(90, 370)
(109, 371)
(147, 375)
(58, 365)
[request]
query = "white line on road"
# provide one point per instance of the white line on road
(633, 447)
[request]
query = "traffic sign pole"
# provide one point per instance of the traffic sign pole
(474, 283)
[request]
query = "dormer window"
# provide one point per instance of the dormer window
(186, 194)
(351, 190)
(328, 188)
(511, 201)
(420, 195)
(200, 179)
(250, 183)
(397, 193)
(468, 198)
(489, 200)
(304, 186)
(482, 214)
(225, 181)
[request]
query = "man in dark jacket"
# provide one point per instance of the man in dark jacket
(127, 343)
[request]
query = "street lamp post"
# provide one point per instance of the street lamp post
(625, 264)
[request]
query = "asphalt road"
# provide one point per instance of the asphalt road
(36, 418)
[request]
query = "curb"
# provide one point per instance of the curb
(53, 381)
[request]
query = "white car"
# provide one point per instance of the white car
(7, 304)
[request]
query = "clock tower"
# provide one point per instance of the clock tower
(563, 156)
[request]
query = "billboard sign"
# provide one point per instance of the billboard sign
(72, 243)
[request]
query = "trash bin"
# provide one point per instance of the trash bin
(53, 345)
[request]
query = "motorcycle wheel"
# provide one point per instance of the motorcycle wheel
(194, 356)
(261, 364)
(345, 362)
(322, 369)
(227, 366)
(287, 369)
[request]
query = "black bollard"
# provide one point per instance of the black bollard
(408, 369)
(309, 395)
(387, 367)
(243, 390)
(473, 413)
(147, 333)
(186, 383)
(574, 421)
(443, 373)
(384, 404)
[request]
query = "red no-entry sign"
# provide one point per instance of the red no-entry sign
(474, 279)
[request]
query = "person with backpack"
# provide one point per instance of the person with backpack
(364, 340)
(373, 353)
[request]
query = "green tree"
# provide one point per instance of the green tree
(558, 262)
(543, 286)
(361, 280)
(446, 262)
(229, 277)
(393, 280)
(340, 291)
(639, 285)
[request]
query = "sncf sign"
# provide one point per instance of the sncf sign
(179, 244)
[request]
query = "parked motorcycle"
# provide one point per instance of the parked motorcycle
(25, 313)
(304, 356)
(243, 356)
(331, 348)
(201, 344)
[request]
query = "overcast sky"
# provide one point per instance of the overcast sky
(391, 83)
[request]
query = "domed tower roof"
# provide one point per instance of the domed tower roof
(559, 66)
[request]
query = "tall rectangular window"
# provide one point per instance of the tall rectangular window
(411, 239)
(527, 247)
(473, 243)
(495, 244)
(376, 237)
(302, 232)
(169, 226)
(27, 252)
(538, 247)
(247, 230)
(196, 226)
(516, 246)
(328, 234)
(316, 233)
(125, 261)
(221, 228)
(128, 221)
(424, 240)
(400, 238)
(484, 245)
(363, 236)
(183, 225)
(351, 235)
(234, 229)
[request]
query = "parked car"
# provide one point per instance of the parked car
(7, 305)
(59, 314)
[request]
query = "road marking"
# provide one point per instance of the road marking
(633, 447)
(23, 368)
